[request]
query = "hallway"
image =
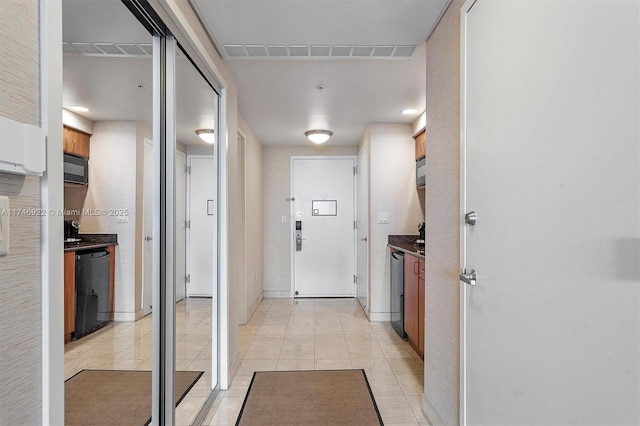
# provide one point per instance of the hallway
(326, 334)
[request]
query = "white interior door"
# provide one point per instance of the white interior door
(180, 248)
(202, 219)
(362, 179)
(147, 227)
(551, 99)
(324, 209)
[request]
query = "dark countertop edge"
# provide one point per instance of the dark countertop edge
(87, 245)
(99, 238)
(412, 251)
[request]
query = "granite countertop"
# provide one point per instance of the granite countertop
(406, 243)
(92, 241)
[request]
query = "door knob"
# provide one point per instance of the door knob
(468, 277)
(363, 239)
(148, 238)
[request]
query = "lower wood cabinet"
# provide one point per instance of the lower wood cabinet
(414, 302)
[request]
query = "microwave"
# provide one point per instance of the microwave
(421, 171)
(76, 169)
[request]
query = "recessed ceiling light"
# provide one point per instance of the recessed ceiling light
(409, 111)
(79, 108)
(206, 135)
(318, 136)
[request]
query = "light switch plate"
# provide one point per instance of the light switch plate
(383, 218)
(4, 225)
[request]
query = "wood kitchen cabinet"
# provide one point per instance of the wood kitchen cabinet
(421, 144)
(414, 302)
(69, 294)
(75, 142)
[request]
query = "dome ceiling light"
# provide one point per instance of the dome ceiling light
(318, 136)
(206, 135)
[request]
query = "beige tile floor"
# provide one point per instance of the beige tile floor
(127, 346)
(308, 334)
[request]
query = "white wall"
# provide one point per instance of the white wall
(253, 209)
(276, 190)
(392, 190)
(442, 242)
(20, 271)
(115, 178)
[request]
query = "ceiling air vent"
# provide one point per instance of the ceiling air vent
(298, 50)
(341, 51)
(277, 50)
(234, 50)
(404, 51)
(320, 50)
(109, 48)
(383, 51)
(336, 51)
(256, 49)
(362, 50)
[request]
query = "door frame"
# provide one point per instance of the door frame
(292, 222)
(181, 280)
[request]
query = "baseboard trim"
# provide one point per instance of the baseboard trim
(124, 316)
(430, 412)
(278, 294)
(253, 307)
(380, 316)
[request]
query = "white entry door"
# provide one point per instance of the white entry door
(180, 269)
(551, 327)
(202, 220)
(323, 199)
(363, 228)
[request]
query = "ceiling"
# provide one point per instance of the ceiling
(117, 85)
(281, 51)
(304, 64)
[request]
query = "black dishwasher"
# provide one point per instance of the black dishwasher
(92, 291)
(397, 292)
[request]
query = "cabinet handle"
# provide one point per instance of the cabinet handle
(415, 268)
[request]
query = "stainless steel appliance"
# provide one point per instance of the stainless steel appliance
(420, 240)
(92, 291)
(71, 229)
(421, 171)
(397, 292)
(76, 169)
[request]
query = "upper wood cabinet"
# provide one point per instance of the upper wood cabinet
(421, 144)
(75, 142)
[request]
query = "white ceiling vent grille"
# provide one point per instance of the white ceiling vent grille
(383, 51)
(404, 51)
(277, 50)
(298, 50)
(362, 51)
(320, 50)
(121, 50)
(256, 51)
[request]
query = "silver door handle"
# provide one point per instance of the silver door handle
(471, 218)
(148, 238)
(363, 239)
(468, 277)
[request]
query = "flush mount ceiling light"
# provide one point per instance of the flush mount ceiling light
(206, 135)
(79, 108)
(318, 136)
(409, 111)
